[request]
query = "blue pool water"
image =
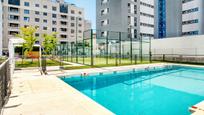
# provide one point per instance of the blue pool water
(153, 91)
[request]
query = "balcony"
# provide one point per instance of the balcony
(64, 17)
(14, 18)
(13, 10)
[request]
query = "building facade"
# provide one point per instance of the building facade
(135, 17)
(168, 18)
(192, 17)
(87, 25)
(48, 15)
(175, 18)
(1, 32)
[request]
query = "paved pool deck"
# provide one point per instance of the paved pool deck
(34, 94)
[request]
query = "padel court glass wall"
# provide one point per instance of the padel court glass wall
(99, 48)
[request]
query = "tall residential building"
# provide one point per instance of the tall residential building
(192, 17)
(1, 32)
(168, 18)
(87, 25)
(130, 16)
(49, 15)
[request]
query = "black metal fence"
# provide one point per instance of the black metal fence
(179, 58)
(5, 82)
(99, 48)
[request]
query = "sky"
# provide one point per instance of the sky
(89, 7)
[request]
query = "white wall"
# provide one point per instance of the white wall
(191, 45)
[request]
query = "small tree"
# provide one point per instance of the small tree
(28, 34)
(50, 42)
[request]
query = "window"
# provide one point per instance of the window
(37, 19)
(147, 5)
(37, 5)
(26, 12)
(72, 12)
(63, 22)
(72, 24)
(63, 16)
(190, 22)
(190, 33)
(13, 32)
(14, 2)
(54, 15)
(54, 8)
(54, 22)
(13, 25)
(104, 2)
(190, 11)
(13, 9)
(37, 12)
(105, 11)
(13, 17)
(63, 29)
(26, 19)
(80, 25)
(104, 34)
(54, 29)
(37, 35)
(185, 1)
(37, 42)
(80, 19)
(44, 13)
(72, 18)
(45, 6)
(63, 8)
(45, 21)
(104, 22)
(26, 4)
(63, 36)
(80, 12)
(44, 28)
(72, 31)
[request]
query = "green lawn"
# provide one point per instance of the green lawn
(104, 65)
(28, 63)
(103, 61)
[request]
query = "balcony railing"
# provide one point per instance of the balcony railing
(13, 11)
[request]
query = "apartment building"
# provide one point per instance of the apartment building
(87, 25)
(135, 17)
(48, 15)
(1, 32)
(174, 18)
(192, 17)
(168, 18)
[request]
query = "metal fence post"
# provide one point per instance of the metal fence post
(107, 48)
(150, 50)
(92, 63)
(131, 47)
(83, 48)
(136, 59)
(67, 51)
(150, 57)
(71, 52)
(141, 58)
(120, 45)
(163, 57)
(116, 59)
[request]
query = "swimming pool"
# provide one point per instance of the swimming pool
(169, 90)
